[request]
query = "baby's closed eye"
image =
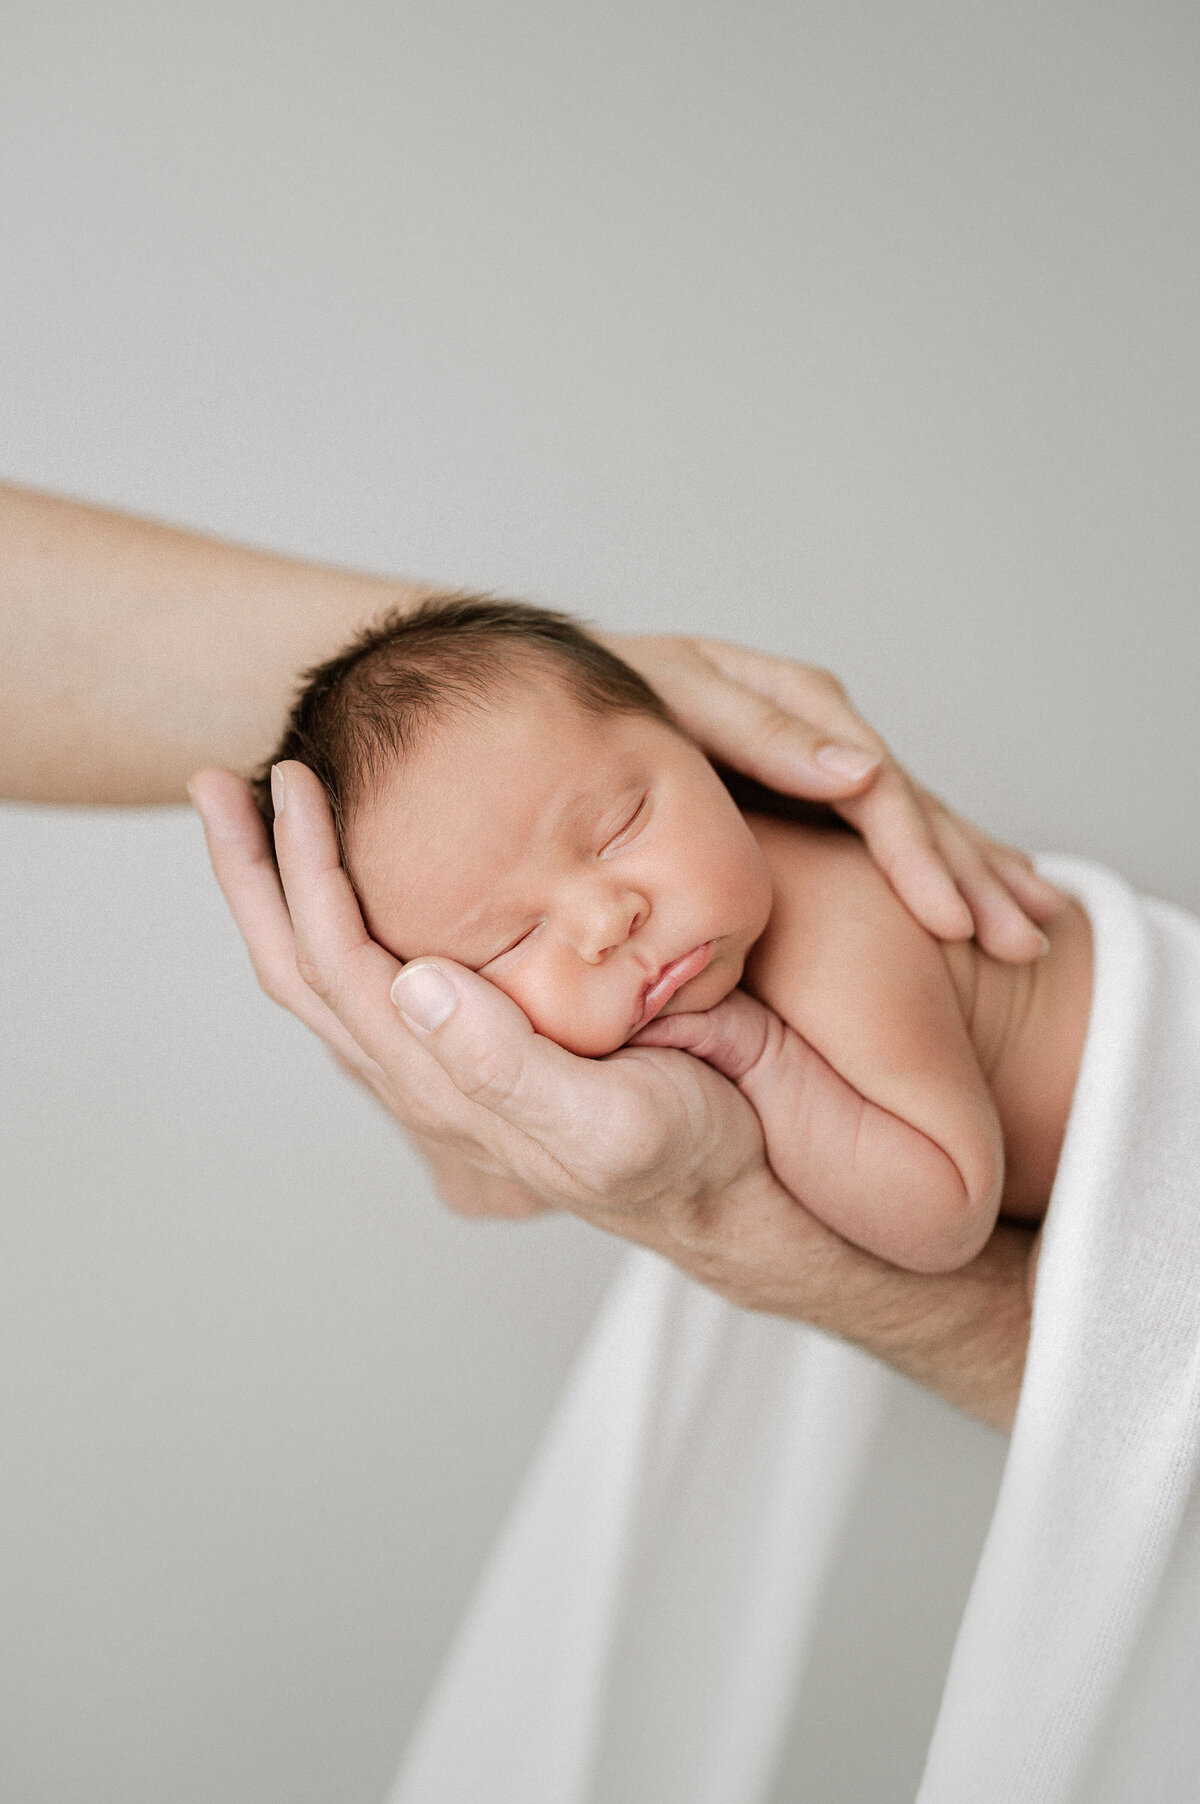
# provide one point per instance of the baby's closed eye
(632, 821)
(520, 942)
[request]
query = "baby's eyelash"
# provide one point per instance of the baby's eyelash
(511, 947)
(630, 821)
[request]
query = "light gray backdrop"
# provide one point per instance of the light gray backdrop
(861, 332)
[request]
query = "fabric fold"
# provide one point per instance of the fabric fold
(640, 1632)
(1098, 1499)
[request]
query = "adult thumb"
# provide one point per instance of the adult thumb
(488, 1049)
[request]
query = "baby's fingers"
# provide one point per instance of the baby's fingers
(730, 1037)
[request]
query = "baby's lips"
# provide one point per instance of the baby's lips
(673, 977)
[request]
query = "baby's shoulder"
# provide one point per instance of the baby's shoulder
(839, 939)
(827, 879)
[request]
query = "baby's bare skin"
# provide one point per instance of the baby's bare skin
(593, 867)
(1027, 1025)
(819, 977)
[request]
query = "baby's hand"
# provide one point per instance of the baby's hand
(734, 1038)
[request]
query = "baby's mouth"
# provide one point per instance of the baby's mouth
(672, 977)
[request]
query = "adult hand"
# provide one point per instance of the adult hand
(786, 724)
(793, 728)
(636, 1132)
(649, 1144)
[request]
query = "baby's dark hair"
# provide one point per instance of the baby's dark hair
(357, 713)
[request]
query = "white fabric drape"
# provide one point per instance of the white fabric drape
(640, 1631)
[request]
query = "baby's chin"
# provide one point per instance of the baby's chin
(595, 1044)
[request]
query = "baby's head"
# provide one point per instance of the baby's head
(510, 795)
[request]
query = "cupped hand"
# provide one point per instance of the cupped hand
(787, 724)
(510, 1122)
(792, 727)
(649, 1144)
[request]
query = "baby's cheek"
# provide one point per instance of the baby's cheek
(585, 1017)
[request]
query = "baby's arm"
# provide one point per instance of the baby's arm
(875, 1113)
(872, 1177)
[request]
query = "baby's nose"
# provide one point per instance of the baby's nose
(609, 919)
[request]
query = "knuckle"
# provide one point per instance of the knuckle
(491, 1076)
(827, 682)
(277, 980)
(270, 982)
(312, 975)
(635, 1140)
(776, 724)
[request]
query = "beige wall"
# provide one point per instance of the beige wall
(864, 332)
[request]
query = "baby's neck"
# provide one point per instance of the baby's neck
(1027, 1024)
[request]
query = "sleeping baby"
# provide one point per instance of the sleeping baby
(509, 794)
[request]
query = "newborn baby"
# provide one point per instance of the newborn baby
(510, 795)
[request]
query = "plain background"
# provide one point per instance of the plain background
(865, 333)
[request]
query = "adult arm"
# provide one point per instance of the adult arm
(132, 653)
(651, 1145)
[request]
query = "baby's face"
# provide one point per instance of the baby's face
(593, 867)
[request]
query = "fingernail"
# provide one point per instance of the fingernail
(188, 787)
(278, 789)
(1043, 946)
(847, 761)
(424, 996)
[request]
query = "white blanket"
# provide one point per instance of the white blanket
(641, 1628)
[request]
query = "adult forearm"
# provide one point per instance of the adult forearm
(962, 1334)
(132, 653)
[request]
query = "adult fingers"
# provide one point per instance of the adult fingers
(1040, 900)
(900, 838)
(334, 954)
(788, 725)
(348, 976)
(460, 1061)
(480, 1195)
(1006, 897)
(242, 862)
(628, 1136)
(792, 726)
(486, 1046)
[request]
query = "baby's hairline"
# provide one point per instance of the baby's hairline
(517, 675)
(410, 673)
